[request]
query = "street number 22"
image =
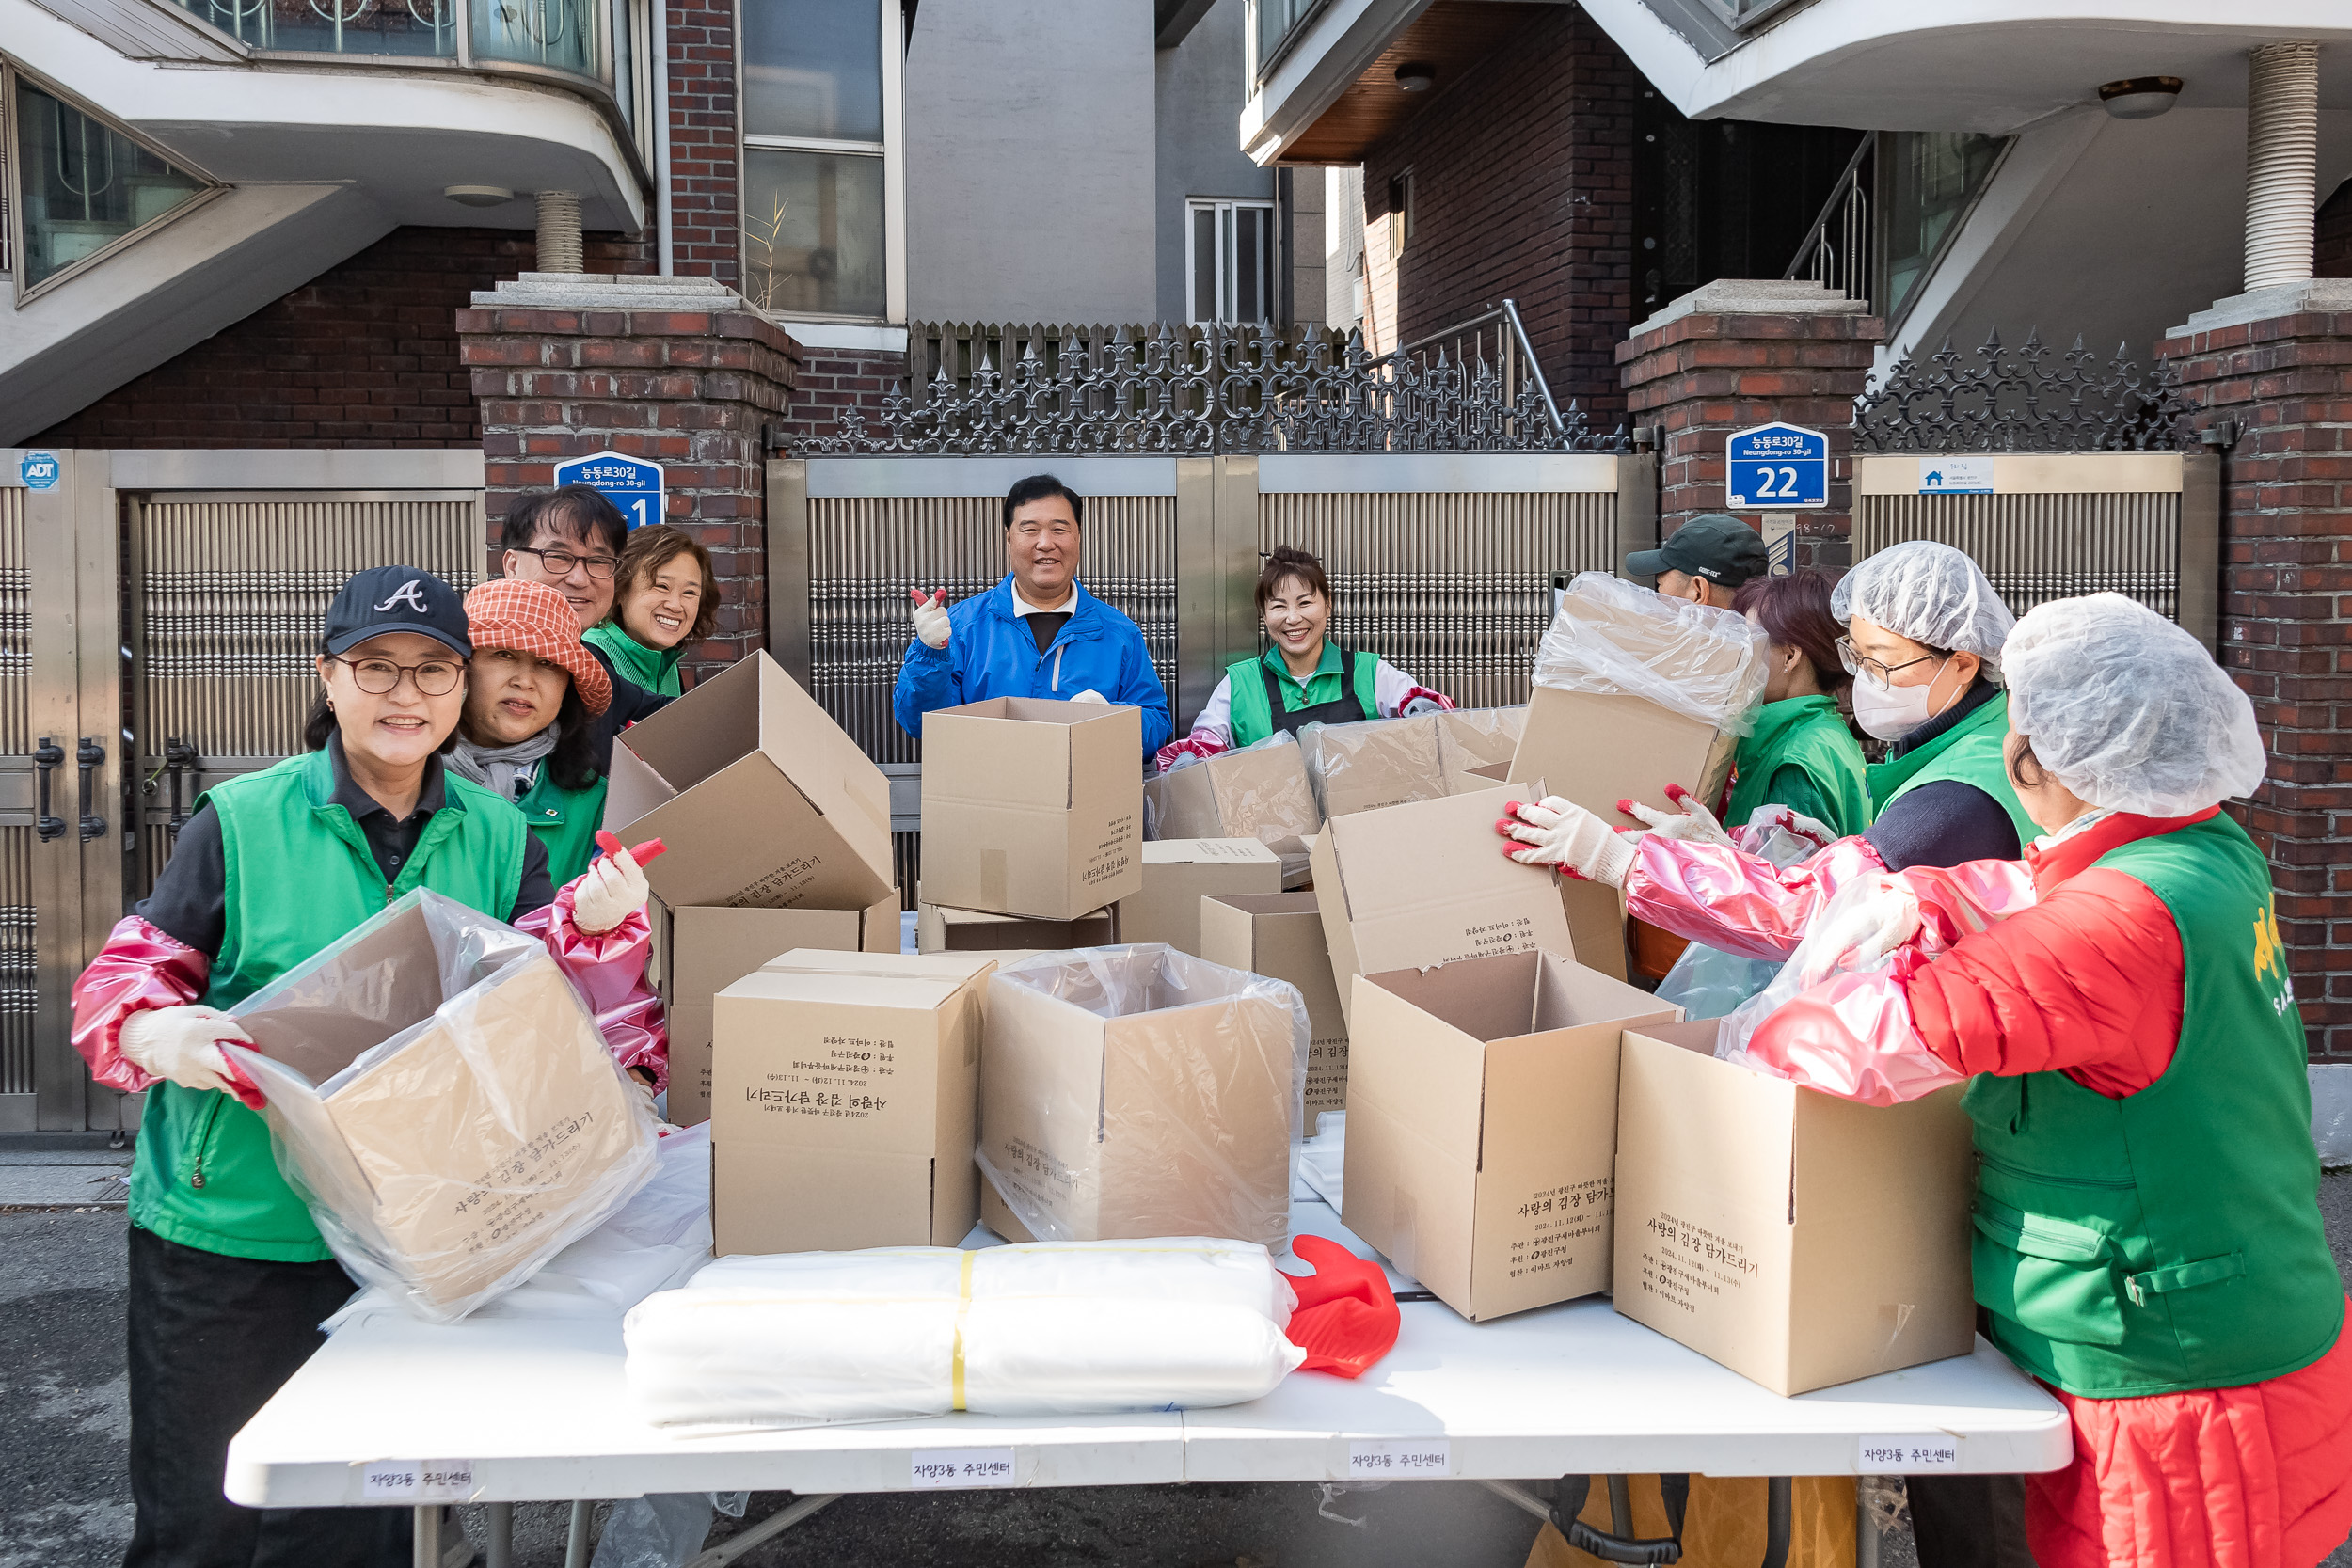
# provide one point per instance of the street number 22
(1788, 485)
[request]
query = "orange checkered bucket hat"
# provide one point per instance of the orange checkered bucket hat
(532, 618)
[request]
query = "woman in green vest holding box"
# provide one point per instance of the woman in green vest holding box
(229, 1275)
(2146, 1232)
(1303, 679)
(528, 734)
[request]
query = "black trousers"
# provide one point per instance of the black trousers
(1969, 1521)
(211, 1338)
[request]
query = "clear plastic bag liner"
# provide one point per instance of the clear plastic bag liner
(1190, 1145)
(1373, 763)
(449, 1160)
(1617, 638)
(654, 1242)
(1707, 982)
(663, 1529)
(1244, 793)
(1041, 1328)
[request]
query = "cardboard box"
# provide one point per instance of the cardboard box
(1798, 1239)
(1427, 883)
(1373, 763)
(1177, 873)
(940, 930)
(1032, 807)
(1482, 1109)
(761, 797)
(1472, 740)
(1280, 935)
(1258, 792)
(845, 1093)
(1139, 1092)
(1595, 913)
(710, 948)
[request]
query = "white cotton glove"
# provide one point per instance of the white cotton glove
(177, 1044)
(1089, 695)
(930, 617)
(607, 893)
(1694, 824)
(1561, 833)
(1788, 821)
(1865, 931)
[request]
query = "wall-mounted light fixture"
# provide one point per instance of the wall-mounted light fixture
(2140, 97)
(478, 196)
(1416, 76)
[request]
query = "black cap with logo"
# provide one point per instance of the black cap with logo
(397, 599)
(1719, 547)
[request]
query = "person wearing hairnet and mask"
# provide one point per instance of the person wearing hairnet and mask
(1923, 642)
(2147, 1236)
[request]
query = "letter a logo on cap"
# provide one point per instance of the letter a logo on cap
(410, 594)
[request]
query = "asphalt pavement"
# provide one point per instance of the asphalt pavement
(65, 1422)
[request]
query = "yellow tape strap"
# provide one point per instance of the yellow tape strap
(964, 1303)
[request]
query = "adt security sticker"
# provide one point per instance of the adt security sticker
(1957, 474)
(40, 470)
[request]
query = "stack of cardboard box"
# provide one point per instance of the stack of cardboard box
(778, 831)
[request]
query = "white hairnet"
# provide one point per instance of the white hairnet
(1929, 592)
(2129, 711)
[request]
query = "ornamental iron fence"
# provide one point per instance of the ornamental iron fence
(2022, 399)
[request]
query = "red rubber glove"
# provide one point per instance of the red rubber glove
(1347, 1317)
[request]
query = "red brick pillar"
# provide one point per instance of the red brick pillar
(674, 369)
(2284, 382)
(1738, 352)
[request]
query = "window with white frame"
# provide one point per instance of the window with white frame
(1231, 277)
(823, 185)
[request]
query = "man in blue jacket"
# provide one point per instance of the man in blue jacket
(1036, 634)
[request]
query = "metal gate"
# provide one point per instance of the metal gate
(175, 600)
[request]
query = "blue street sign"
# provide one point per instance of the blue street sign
(632, 484)
(39, 471)
(1779, 466)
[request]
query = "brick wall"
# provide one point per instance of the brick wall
(365, 355)
(2286, 623)
(1522, 188)
(688, 388)
(832, 379)
(705, 182)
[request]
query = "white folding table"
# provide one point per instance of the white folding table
(526, 1410)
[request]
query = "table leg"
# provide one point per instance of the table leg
(502, 1531)
(576, 1540)
(1866, 1538)
(1778, 1492)
(427, 1552)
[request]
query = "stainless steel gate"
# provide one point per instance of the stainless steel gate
(162, 607)
(2051, 525)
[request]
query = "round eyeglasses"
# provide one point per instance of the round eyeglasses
(377, 678)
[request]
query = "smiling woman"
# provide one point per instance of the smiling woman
(528, 730)
(665, 599)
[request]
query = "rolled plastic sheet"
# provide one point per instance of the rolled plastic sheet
(1616, 638)
(480, 1128)
(1042, 1328)
(1844, 1026)
(1200, 1071)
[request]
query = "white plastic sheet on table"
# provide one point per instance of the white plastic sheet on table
(1617, 638)
(495, 1168)
(1039, 1328)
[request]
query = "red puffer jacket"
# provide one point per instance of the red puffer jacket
(2087, 981)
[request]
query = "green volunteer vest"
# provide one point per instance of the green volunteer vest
(1250, 718)
(2170, 1240)
(655, 668)
(299, 874)
(566, 820)
(1804, 733)
(1969, 752)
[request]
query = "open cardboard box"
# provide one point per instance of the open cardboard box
(709, 948)
(762, 798)
(941, 929)
(1799, 1239)
(1482, 1112)
(1032, 807)
(843, 1117)
(1139, 1091)
(1280, 935)
(1177, 873)
(1595, 911)
(1427, 883)
(1257, 792)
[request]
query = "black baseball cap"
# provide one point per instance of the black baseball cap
(1714, 545)
(397, 599)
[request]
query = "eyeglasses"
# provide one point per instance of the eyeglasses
(559, 564)
(377, 678)
(1882, 673)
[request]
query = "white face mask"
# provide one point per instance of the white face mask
(1891, 712)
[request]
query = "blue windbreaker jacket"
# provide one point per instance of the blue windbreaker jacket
(990, 652)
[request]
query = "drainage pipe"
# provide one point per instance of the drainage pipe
(666, 239)
(559, 233)
(2282, 162)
